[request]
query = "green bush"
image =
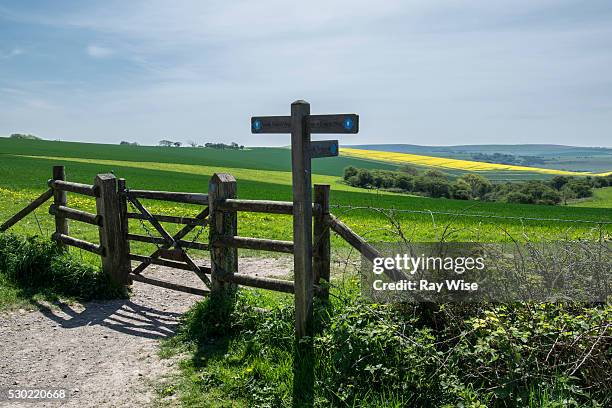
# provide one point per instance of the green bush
(434, 183)
(35, 264)
(372, 355)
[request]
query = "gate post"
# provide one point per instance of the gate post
(223, 261)
(321, 235)
(60, 198)
(115, 255)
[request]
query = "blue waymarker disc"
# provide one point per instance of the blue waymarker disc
(257, 125)
(348, 123)
(334, 149)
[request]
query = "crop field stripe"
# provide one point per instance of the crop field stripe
(457, 164)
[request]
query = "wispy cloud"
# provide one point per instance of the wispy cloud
(97, 51)
(11, 53)
(443, 71)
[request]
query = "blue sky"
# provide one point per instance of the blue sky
(420, 72)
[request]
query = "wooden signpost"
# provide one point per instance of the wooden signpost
(301, 124)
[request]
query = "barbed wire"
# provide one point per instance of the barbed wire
(454, 214)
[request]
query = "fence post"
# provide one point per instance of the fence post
(60, 198)
(222, 224)
(123, 210)
(115, 259)
(321, 235)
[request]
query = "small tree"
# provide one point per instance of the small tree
(192, 143)
(165, 143)
(177, 144)
(479, 185)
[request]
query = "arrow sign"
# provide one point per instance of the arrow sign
(271, 124)
(343, 123)
(323, 148)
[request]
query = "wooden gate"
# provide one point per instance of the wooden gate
(171, 249)
(219, 212)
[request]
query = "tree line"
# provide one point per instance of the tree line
(434, 183)
(221, 146)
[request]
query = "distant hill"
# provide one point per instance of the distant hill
(559, 157)
(519, 149)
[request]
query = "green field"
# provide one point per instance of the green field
(263, 173)
(602, 198)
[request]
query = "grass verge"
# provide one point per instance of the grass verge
(33, 269)
(371, 355)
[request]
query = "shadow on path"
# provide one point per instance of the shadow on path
(121, 315)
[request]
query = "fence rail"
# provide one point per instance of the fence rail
(74, 214)
(79, 188)
(87, 246)
(28, 209)
(262, 206)
(168, 218)
(220, 215)
(260, 244)
(187, 198)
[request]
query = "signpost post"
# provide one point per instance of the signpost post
(301, 124)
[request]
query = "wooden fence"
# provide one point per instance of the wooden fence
(219, 212)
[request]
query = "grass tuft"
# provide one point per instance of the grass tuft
(32, 267)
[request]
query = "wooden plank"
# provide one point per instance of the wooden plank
(302, 218)
(357, 242)
(115, 261)
(78, 188)
(74, 214)
(41, 199)
(87, 246)
(262, 206)
(123, 209)
(172, 254)
(59, 199)
(169, 218)
(321, 239)
(178, 236)
(161, 241)
(178, 197)
(271, 124)
(260, 282)
(339, 123)
(255, 243)
(169, 285)
(323, 148)
(168, 263)
(224, 260)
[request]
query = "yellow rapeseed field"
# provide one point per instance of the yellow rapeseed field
(452, 164)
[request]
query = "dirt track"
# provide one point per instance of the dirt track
(103, 353)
